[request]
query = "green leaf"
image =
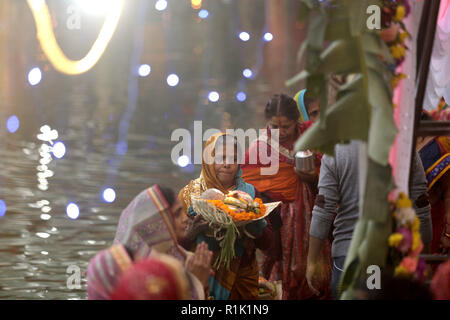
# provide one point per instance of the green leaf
(336, 30)
(304, 12)
(350, 275)
(301, 52)
(382, 129)
(298, 77)
(316, 31)
(357, 14)
(340, 57)
(374, 62)
(371, 43)
(317, 87)
(313, 61)
(354, 84)
(310, 4)
(346, 120)
(338, 26)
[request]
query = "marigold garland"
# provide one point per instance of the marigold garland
(240, 216)
(395, 33)
(406, 243)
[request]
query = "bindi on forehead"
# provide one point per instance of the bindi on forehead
(281, 121)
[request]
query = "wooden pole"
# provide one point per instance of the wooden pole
(426, 37)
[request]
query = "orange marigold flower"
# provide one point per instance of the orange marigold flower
(240, 216)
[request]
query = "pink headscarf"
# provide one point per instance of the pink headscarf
(160, 277)
(104, 270)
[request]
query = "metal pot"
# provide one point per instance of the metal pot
(304, 161)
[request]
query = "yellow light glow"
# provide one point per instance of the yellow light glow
(196, 4)
(53, 51)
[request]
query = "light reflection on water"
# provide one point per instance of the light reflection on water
(38, 242)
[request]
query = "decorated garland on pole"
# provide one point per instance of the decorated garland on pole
(405, 243)
(394, 34)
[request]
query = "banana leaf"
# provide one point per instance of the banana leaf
(362, 111)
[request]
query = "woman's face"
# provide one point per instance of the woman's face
(180, 218)
(226, 164)
(286, 127)
(314, 110)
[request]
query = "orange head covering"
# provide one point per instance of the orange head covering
(208, 172)
(208, 178)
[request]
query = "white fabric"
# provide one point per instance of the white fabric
(438, 82)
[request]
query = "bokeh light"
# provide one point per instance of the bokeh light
(183, 161)
(34, 76)
(244, 36)
(268, 37)
(2, 208)
(109, 195)
(59, 149)
(196, 4)
(213, 96)
(241, 96)
(12, 124)
(203, 14)
(72, 211)
(172, 80)
(161, 5)
(144, 70)
(43, 235)
(247, 73)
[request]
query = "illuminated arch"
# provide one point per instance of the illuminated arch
(51, 48)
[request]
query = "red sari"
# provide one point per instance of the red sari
(288, 257)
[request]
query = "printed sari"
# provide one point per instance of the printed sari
(240, 281)
(287, 258)
(435, 157)
(146, 226)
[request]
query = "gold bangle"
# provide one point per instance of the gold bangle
(447, 235)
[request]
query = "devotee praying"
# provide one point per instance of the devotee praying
(152, 223)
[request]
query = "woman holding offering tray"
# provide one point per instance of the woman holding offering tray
(236, 278)
(288, 254)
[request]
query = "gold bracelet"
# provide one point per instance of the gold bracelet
(447, 235)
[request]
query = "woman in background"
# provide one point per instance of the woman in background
(435, 155)
(286, 259)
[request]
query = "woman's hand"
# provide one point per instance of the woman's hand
(196, 226)
(200, 263)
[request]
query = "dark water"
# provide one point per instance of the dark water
(116, 127)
